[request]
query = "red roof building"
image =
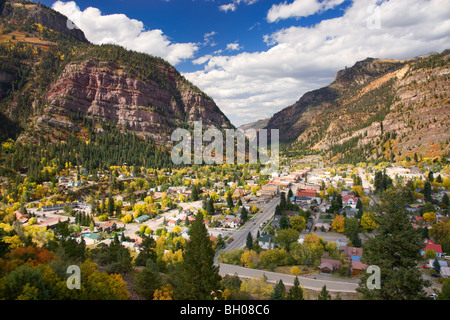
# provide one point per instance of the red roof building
(306, 193)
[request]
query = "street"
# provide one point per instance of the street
(252, 226)
(273, 277)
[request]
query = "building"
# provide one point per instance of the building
(329, 265)
(435, 247)
(358, 267)
(352, 252)
(306, 193)
(269, 190)
(349, 201)
(309, 186)
(266, 241)
(142, 218)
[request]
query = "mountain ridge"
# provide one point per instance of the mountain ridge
(365, 102)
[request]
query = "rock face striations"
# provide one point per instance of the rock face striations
(106, 91)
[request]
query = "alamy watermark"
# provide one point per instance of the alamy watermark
(213, 153)
(374, 281)
(74, 280)
(374, 19)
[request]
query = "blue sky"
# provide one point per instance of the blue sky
(255, 57)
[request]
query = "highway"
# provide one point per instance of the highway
(252, 226)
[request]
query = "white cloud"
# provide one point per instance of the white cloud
(227, 7)
(251, 86)
(300, 8)
(129, 33)
(233, 46)
(208, 38)
(232, 6)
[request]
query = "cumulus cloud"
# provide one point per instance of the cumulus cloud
(233, 46)
(300, 8)
(129, 33)
(232, 6)
(227, 7)
(251, 86)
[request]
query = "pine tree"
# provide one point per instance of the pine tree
(279, 291)
(230, 203)
(395, 249)
(110, 204)
(295, 292)
(445, 200)
(244, 214)
(427, 192)
(324, 294)
(436, 265)
(430, 176)
(249, 243)
(197, 276)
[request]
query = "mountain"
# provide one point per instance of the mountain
(378, 109)
(52, 78)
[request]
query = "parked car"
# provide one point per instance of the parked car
(434, 275)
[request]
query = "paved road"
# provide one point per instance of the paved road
(273, 277)
(252, 226)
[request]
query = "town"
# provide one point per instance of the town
(307, 223)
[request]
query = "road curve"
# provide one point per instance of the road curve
(273, 277)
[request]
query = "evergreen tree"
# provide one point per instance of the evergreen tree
(279, 291)
(244, 214)
(431, 176)
(395, 249)
(110, 204)
(290, 195)
(445, 200)
(210, 207)
(249, 243)
(427, 191)
(229, 200)
(282, 201)
(295, 292)
(284, 222)
(197, 276)
(436, 265)
(324, 294)
(195, 192)
(146, 251)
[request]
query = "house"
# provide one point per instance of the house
(306, 193)
(352, 252)
(142, 218)
(172, 222)
(329, 265)
(435, 247)
(358, 267)
(349, 201)
(109, 226)
(231, 221)
(319, 225)
(442, 263)
(266, 241)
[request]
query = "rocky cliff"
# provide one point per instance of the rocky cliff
(376, 109)
(52, 79)
(105, 91)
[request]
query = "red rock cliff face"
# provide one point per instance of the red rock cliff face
(105, 91)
